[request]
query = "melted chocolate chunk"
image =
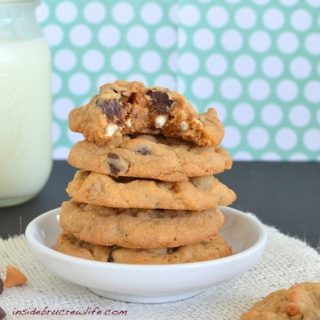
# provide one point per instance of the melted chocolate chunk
(112, 109)
(143, 150)
(160, 101)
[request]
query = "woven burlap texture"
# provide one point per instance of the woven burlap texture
(285, 262)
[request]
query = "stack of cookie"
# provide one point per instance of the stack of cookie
(145, 191)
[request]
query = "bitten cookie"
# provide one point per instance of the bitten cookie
(301, 301)
(147, 156)
(213, 248)
(200, 193)
(126, 107)
(136, 228)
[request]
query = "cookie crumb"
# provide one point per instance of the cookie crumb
(14, 277)
(111, 129)
(160, 121)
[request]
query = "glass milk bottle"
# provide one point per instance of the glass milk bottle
(25, 103)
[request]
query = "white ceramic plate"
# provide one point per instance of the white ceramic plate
(150, 283)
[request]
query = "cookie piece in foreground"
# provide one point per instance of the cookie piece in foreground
(199, 193)
(138, 228)
(126, 107)
(214, 248)
(147, 156)
(301, 301)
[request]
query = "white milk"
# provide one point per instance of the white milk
(25, 118)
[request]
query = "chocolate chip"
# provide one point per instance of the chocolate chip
(171, 250)
(116, 163)
(112, 109)
(114, 169)
(2, 314)
(143, 150)
(160, 101)
(1, 286)
(112, 155)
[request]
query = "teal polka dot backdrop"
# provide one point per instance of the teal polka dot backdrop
(257, 62)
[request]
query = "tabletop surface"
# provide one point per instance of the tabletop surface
(285, 195)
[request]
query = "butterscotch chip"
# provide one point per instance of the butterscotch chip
(213, 248)
(146, 156)
(126, 107)
(138, 228)
(301, 301)
(14, 277)
(199, 193)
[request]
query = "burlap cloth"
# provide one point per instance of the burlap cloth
(285, 262)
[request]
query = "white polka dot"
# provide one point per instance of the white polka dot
(166, 37)
(42, 12)
(286, 138)
(122, 12)
(137, 36)
(314, 3)
(312, 43)
(242, 156)
(259, 89)
(203, 39)
(318, 116)
(216, 65)
(299, 115)
(174, 13)
(93, 60)
(79, 83)
(298, 157)
(245, 18)
(106, 78)
(109, 36)
(258, 137)
(60, 153)
(121, 61)
(220, 108)
(62, 107)
(231, 40)
(56, 83)
(94, 12)
(287, 90)
(231, 88)
(271, 115)
(65, 60)
(300, 68)
(80, 35)
(202, 87)
(173, 62)
(270, 156)
(182, 38)
(74, 137)
(232, 137)
(151, 13)
(259, 41)
(288, 42)
(56, 132)
(138, 77)
(233, 1)
(301, 20)
(312, 91)
(245, 66)
(289, 3)
(217, 17)
(53, 34)
(272, 66)
(261, 2)
(189, 15)
(150, 61)
(66, 11)
(188, 63)
(312, 139)
(181, 85)
(167, 81)
(273, 19)
(243, 114)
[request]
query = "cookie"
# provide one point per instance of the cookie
(214, 248)
(137, 228)
(143, 157)
(301, 301)
(200, 193)
(126, 107)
